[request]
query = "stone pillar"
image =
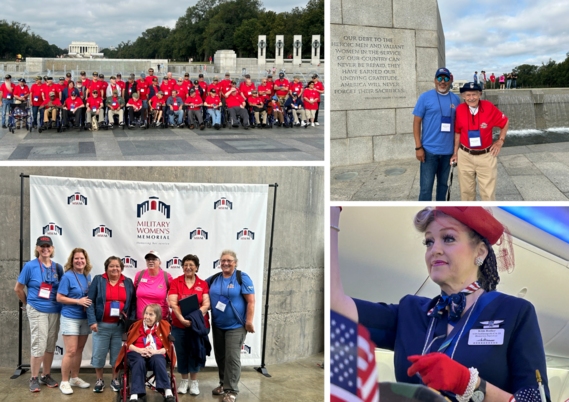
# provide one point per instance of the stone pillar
(279, 50)
(226, 61)
(297, 50)
(315, 50)
(388, 52)
(262, 50)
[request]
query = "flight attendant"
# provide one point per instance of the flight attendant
(471, 342)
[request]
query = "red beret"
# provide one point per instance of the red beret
(478, 219)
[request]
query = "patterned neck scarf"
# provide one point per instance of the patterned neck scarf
(149, 332)
(456, 303)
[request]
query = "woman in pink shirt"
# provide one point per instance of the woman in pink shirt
(152, 285)
(502, 79)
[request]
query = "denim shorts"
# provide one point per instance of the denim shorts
(74, 326)
(108, 338)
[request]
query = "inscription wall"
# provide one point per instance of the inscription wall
(372, 68)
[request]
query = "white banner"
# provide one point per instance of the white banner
(128, 219)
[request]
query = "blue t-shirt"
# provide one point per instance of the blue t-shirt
(32, 277)
(76, 290)
(431, 106)
(230, 288)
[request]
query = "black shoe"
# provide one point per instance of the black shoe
(246, 127)
(235, 125)
(47, 380)
(259, 126)
(202, 127)
(216, 126)
(4, 126)
(170, 398)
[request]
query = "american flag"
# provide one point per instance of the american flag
(353, 373)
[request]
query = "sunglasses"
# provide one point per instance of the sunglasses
(440, 78)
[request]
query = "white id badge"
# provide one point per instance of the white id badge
(36, 98)
(475, 142)
(144, 280)
(115, 309)
(8, 96)
(445, 127)
(486, 336)
(221, 306)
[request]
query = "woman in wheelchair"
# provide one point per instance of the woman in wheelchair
(146, 348)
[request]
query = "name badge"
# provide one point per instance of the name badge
(222, 303)
(474, 139)
(144, 280)
(166, 92)
(114, 103)
(115, 309)
(142, 90)
(175, 104)
(94, 108)
(45, 290)
(445, 124)
(36, 98)
(9, 96)
(486, 336)
(129, 90)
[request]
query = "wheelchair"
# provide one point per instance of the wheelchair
(124, 374)
(208, 118)
(19, 115)
(227, 122)
(152, 118)
(45, 125)
(80, 124)
(139, 122)
(105, 124)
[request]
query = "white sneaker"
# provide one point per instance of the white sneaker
(183, 387)
(78, 382)
(302, 124)
(65, 388)
(194, 389)
(312, 124)
(317, 123)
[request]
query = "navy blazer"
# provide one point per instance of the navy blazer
(510, 366)
(98, 294)
(65, 94)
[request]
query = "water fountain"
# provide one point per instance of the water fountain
(556, 110)
(520, 111)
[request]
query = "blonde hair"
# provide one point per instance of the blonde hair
(231, 253)
(69, 263)
(157, 311)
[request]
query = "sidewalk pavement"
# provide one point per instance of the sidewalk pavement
(525, 173)
(235, 144)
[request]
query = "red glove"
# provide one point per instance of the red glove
(440, 372)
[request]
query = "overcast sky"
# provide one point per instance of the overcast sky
(106, 22)
(498, 35)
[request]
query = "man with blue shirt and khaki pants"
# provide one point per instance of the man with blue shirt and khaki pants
(433, 128)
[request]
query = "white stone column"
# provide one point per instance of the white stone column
(279, 53)
(262, 50)
(297, 51)
(315, 50)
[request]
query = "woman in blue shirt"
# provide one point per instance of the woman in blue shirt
(42, 277)
(72, 293)
(471, 342)
(232, 308)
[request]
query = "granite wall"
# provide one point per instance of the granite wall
(296, 305)
(384, 54)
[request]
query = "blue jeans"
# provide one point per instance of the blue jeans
(509, 84)
(35, 111)
(186, 363)
(514, 84)
(179, 113)
(5, 109)
(108, 338)
(434, 165)
(215, 115)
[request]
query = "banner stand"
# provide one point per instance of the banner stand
(23, 368)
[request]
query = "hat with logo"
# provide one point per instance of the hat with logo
(38, 77)
(82, 73)
(101, 75)
(68, 75)
(154, 253)
(200, 76)
(196, 82)
(8, 77)
(113, 77)
(295, 93)
(142, 75)
(281, 75)
(212, 90)
(95, 74)
(187, 75)
(61, 78)
(44, 240)
(470, 86)
(442, 71)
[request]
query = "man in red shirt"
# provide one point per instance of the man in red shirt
(150, 77)
(171, 81)
(194, 104)
(50, 106)
(214, 85)
(474, 151)
(203, 85)
(246, 87)
(157, 104)
(95, 84)
(73, 109)
(121, 84)
(282, 86)
(167, 87)
(493, 81)
(67, 79)
(225, 85)
(310, 99)
(62, 84)
(142, 88)
(7, 94)
(135, 109)
(131, 87)
(187, 83)
(21, 96)
(104, 85)
(50, 87)
(37, 99)
(115, 104)
(86, 82)
(271, 84)
(257, 104)
(319, 87)
(296, 86)
(94, 107)
(236, 106)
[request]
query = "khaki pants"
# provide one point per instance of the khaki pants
(263, 114)
(111, 113)
(296, 113)
(46, 115)
(44, 328)
(483, 168)
(310, 113)
(90, 114)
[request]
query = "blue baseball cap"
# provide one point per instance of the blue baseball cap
(442, 71)
(470, 86)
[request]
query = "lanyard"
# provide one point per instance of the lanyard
(46, 275)
(440, 107)
(81, 286)
(472, 114)
(192, 289)
(221, 285)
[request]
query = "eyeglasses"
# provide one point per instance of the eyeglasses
(227, 261)
(440, 78)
